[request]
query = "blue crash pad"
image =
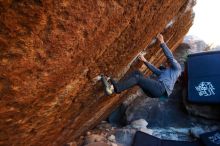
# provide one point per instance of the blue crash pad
(203, 70)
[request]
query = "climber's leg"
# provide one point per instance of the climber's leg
(151, 87)
(129, 81)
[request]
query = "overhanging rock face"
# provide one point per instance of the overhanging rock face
(50, 52)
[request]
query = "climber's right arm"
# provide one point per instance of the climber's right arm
(150, 66)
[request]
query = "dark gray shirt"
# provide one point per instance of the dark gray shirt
(169, 75)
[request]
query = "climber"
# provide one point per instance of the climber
(161, 86)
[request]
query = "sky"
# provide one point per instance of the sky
(207, 21)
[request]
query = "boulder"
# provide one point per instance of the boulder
(50, 52)
(208, 111)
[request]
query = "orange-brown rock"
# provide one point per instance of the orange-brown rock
(50, 52)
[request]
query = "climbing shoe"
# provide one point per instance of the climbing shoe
(109, 89)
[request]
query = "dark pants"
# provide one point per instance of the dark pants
(151, 87)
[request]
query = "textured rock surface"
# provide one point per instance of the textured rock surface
(51, 50)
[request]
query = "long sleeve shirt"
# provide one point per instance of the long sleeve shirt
(169, 75)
